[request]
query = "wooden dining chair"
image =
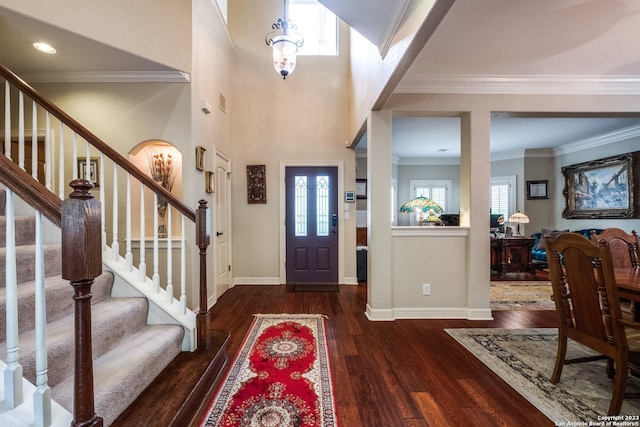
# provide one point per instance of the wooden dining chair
(588, 308)
(624, 246)
(625, 254)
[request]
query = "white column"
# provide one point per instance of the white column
(380, 256)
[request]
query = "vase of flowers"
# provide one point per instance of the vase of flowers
(163, 171)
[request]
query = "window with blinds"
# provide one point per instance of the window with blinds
(503, 195)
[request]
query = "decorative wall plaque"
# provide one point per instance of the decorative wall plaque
(257, 183)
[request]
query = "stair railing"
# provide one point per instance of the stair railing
(45, 186)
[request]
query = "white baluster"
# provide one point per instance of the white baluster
(115, 244)
(183, 267)
(74, 157)
(61, 180)
(34, 141)
(13, 372)
(102, 202)
(7, 119)
(42, 395)
(156, 262)
(47, 153)
(169, 257)
(21, 130)
(128, 256)
(142, 268)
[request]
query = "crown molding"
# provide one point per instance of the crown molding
(599, 140)
(520, 84)
(109, 77)
(394, 23)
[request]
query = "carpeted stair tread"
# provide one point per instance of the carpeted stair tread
(59, 300)
(113, 320)
(24, 230)
(121, 374)
(25, 262)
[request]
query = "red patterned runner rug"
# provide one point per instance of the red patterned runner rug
(280, 378)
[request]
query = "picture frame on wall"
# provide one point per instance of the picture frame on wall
(603, 188)
(256, 184)
(538, 189)
(210, 183)
(200, 157)
(89, 172)
(361, 188)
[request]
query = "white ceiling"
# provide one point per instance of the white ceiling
(488, 46)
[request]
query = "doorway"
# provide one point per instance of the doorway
(222, 225)
(312, 224)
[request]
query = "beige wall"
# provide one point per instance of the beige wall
(301, 119)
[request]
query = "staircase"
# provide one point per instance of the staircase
(128, 353)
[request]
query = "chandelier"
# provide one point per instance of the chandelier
(285, 41)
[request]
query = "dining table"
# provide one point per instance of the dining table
(628, 283)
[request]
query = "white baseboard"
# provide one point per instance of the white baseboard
(256, 281)
(428, 313)
(351, 280)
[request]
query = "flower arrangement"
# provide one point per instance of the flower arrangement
(163, 171)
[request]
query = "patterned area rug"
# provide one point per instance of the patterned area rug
(521, 295)
(524, 358)
(280, 377)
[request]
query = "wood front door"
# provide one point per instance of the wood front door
(312, 224)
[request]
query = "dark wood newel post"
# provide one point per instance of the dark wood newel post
(81, 264)
(202, 241)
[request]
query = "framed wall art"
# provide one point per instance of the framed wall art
(209, 182)
(538, 189)
(200, 157)
(604, 188)
(89, 172)
(361, 188)
(256, 184)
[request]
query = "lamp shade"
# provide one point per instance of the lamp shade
(284, 55)
(421, 204)
(519, 218)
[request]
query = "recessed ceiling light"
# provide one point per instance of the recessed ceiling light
(443, 149)
(44, 47)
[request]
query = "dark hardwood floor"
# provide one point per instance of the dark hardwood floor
(402, 373)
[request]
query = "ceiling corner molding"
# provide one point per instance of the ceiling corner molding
(109, 77)
(395, 18)
(599, 140)
(507, 155)
(539, 153)
(512, 84)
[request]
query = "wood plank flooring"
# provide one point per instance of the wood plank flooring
(405, 373)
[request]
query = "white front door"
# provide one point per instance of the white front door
(222, 240)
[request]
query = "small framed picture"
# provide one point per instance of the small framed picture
(538, 189)
(200, 157)
(210, 183)
(89, 172)
(361, 188)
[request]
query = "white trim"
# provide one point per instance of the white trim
(394, 23)
(283, 211)
(599, 140)
(520, 84)
(429, 313)
(349, 280)
(427, 231)
(256, 281)
(109, 77)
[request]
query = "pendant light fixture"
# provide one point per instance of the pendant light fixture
(285, 41)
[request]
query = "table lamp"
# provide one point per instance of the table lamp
(519, 218)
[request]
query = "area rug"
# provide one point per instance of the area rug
(280, 377)
(521, 295)
(524, 358)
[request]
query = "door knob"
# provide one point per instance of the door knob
(219, 233)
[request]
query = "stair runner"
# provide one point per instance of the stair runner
(128, 353)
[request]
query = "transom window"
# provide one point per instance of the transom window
(317, 24)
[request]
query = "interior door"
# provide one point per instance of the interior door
(222, 226)
(312, 224)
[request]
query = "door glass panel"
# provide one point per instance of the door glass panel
(322, 205)
(301, 205)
